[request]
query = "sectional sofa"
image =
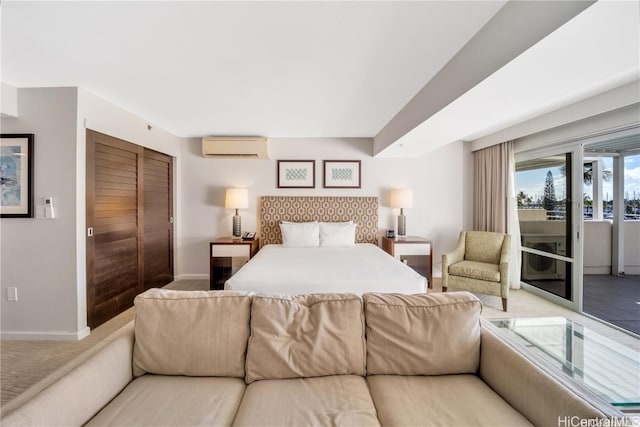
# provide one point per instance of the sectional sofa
(230, 358)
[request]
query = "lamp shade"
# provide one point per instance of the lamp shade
(402, 198)
(236, 198)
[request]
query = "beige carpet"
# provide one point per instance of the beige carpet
(24, 363)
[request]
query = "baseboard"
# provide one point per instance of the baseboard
(191, 277)
(437, 269)
(632, 270)
(597, 270)
(45, 336)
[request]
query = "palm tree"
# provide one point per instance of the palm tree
(523, 198)
(587, 173)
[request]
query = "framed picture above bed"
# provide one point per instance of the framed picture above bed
(342, 174)
(296, 174)
(16, 173)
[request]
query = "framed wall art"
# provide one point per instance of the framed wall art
(16, 175)
(342, 174)
(296, 173)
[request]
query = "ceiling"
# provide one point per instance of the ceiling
(277, 69)
(314, 69)
(625, 143)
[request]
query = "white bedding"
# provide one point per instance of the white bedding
(359, 269)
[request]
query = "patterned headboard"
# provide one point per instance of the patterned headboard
(361, 210)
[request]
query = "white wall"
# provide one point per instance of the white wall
(436, 179)
(39, 255)
(632, 247)
(45, 259)
(468, 173)
(597, 247)
(102, 116)
(9, 100)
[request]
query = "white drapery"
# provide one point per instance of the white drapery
(494, 199)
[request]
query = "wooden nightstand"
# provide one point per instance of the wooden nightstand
(221, 254)
(416, 252)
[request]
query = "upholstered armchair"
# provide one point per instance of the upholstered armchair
(480, 263)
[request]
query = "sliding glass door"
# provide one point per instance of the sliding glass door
(548, 202)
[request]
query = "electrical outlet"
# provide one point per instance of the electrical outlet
(12, 294)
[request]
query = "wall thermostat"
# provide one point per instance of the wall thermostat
(49, 212)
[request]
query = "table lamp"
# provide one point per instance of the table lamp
(236, 198)
(402, 198)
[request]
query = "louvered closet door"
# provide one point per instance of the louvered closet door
(158, 219)
(114, 251)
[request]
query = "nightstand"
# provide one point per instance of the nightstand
(221, 254)
(416, 252)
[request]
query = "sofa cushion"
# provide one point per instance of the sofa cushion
(156, 400)
(424, 334)
(476, 270)
(340, 400)
(305, 336)
(448, 400)
(193, 333)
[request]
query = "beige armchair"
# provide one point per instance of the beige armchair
(480, 263)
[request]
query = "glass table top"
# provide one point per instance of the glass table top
(609, 369)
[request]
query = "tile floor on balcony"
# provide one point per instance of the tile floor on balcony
(613, 299)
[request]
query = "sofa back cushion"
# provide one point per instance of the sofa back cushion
(483, 246)
(424, 334)
(193, 333)
(305, 336)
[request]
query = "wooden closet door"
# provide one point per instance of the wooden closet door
(158, 219)
(114, 203)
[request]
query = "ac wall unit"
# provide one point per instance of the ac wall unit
(235, 147)
(537, 267)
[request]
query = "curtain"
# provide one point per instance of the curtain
(494, 199)
(491, 188)
(513, 227)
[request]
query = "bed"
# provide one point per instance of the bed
(358, 269)
(361, 268)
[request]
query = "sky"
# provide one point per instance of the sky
(532, 181)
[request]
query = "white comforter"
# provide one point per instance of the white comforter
(359, 269)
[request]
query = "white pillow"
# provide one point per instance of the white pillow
(337, 234)
(300, 234)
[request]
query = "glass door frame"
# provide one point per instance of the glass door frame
(577, 227)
